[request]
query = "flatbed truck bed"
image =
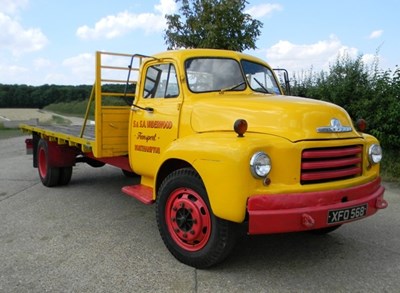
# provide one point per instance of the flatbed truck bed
(70, 135)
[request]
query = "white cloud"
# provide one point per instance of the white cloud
(298, 57)
(261, 10)
(12, 6)
(375, 34)
(113, 26)
(11, 70)
(19, 40)
(41, 71)
(371, 59)
(78, 61)
(81, 68)
(166, 7)
(40, 63)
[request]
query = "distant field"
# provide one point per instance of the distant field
(24, 114)
(45, 117)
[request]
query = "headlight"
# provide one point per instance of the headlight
(260, 165)
(375, 154)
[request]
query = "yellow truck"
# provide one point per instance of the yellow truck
(217, 145)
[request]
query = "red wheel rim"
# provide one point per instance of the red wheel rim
(42, 163)
(188, 219)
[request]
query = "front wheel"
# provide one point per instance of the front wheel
(186, 223)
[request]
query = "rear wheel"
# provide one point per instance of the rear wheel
(65, 175)
(48, 175)
(186, 223)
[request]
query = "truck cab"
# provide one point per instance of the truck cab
(280, 163)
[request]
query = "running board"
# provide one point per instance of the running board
(140, 192)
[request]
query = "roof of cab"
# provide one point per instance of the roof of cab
(184, 54)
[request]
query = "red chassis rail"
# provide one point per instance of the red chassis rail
(306, 211)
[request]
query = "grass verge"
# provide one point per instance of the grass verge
(57, 120)
(9, 132)
(76, 109)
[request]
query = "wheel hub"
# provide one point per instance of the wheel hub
(184, 219)
(189, 219)
(42, 164)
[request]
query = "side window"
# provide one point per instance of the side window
(161, 82)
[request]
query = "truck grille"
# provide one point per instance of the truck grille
(330, 164)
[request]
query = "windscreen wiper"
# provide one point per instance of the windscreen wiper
(231, 88)
(262, 86)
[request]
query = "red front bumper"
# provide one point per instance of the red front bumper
(306, 211)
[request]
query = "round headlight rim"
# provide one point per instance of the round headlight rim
(253, 166)
(372, 155)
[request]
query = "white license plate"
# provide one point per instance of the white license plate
(343, 215)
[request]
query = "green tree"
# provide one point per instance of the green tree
(218, 24)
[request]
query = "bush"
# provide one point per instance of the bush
(390, 166)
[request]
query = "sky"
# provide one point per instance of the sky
(54, 41)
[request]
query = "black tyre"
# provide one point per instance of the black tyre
(324, 231)
(65, 175)
(48, 175)
(186, 223)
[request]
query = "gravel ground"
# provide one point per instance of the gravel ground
(90, 237)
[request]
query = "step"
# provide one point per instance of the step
(141, 192)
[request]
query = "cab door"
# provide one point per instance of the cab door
(154, 124)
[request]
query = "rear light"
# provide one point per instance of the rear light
(29, 146)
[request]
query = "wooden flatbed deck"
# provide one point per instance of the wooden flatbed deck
(73, 130)
(66, 134)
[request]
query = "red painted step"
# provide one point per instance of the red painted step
(140, 192)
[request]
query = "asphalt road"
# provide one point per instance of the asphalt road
(90, 237)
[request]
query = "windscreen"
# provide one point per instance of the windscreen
(260, 78)
(214, 74)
